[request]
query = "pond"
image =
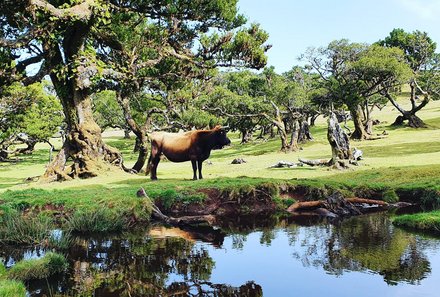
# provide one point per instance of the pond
(360, 256)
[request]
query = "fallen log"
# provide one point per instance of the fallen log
(182, 221)
(285, 164)
(306, 205)
(319, 162)
(367, 201)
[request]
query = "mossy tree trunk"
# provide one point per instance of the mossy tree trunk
(83, 144)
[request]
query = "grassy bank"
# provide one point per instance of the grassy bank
(406, 163)
(427, 221)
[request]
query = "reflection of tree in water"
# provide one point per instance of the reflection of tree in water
(141, 266)
(364, 243)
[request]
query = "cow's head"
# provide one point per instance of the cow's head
(220, 139)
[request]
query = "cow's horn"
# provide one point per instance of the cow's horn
(225, 128)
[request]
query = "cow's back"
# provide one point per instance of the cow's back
(175, 146)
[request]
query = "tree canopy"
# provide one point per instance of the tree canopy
(86, 46)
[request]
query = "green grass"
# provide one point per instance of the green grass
(428, 221)
(12, 288)
(27, 230)
(100, 220)
(50, 264)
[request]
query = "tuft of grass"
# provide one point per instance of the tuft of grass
(12, 288)
(92, 221)
(390, 196)
(18, 229)
(428, 221)
(50, 264)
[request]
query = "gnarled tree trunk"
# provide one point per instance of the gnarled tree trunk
(139, 131)
(246, 135)
(359, 132)
(83, 144)
(338, 140)
(410, 115)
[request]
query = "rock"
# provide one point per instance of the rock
(141, 193)
(238, 161)
(357, 154)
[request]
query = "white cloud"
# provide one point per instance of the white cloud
(424, 9)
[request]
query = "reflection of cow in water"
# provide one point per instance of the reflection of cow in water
(194, 146)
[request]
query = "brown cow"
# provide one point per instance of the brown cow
(194, 146)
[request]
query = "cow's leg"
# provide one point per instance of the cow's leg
(153, 161)
(149, 165)
(199, 163)
(194, 165)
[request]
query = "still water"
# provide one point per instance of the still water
(362, 256)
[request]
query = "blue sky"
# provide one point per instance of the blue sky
(295, 25)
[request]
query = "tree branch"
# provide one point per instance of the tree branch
(82, 12)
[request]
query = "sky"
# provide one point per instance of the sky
(295, 25)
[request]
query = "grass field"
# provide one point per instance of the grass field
(403, 147)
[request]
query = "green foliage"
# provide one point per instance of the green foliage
(352, 72)
(417, 46)
(106, 110)
(30, 110)
(49, 264)
(12, 288)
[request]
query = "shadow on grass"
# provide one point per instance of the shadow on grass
(402, 149)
